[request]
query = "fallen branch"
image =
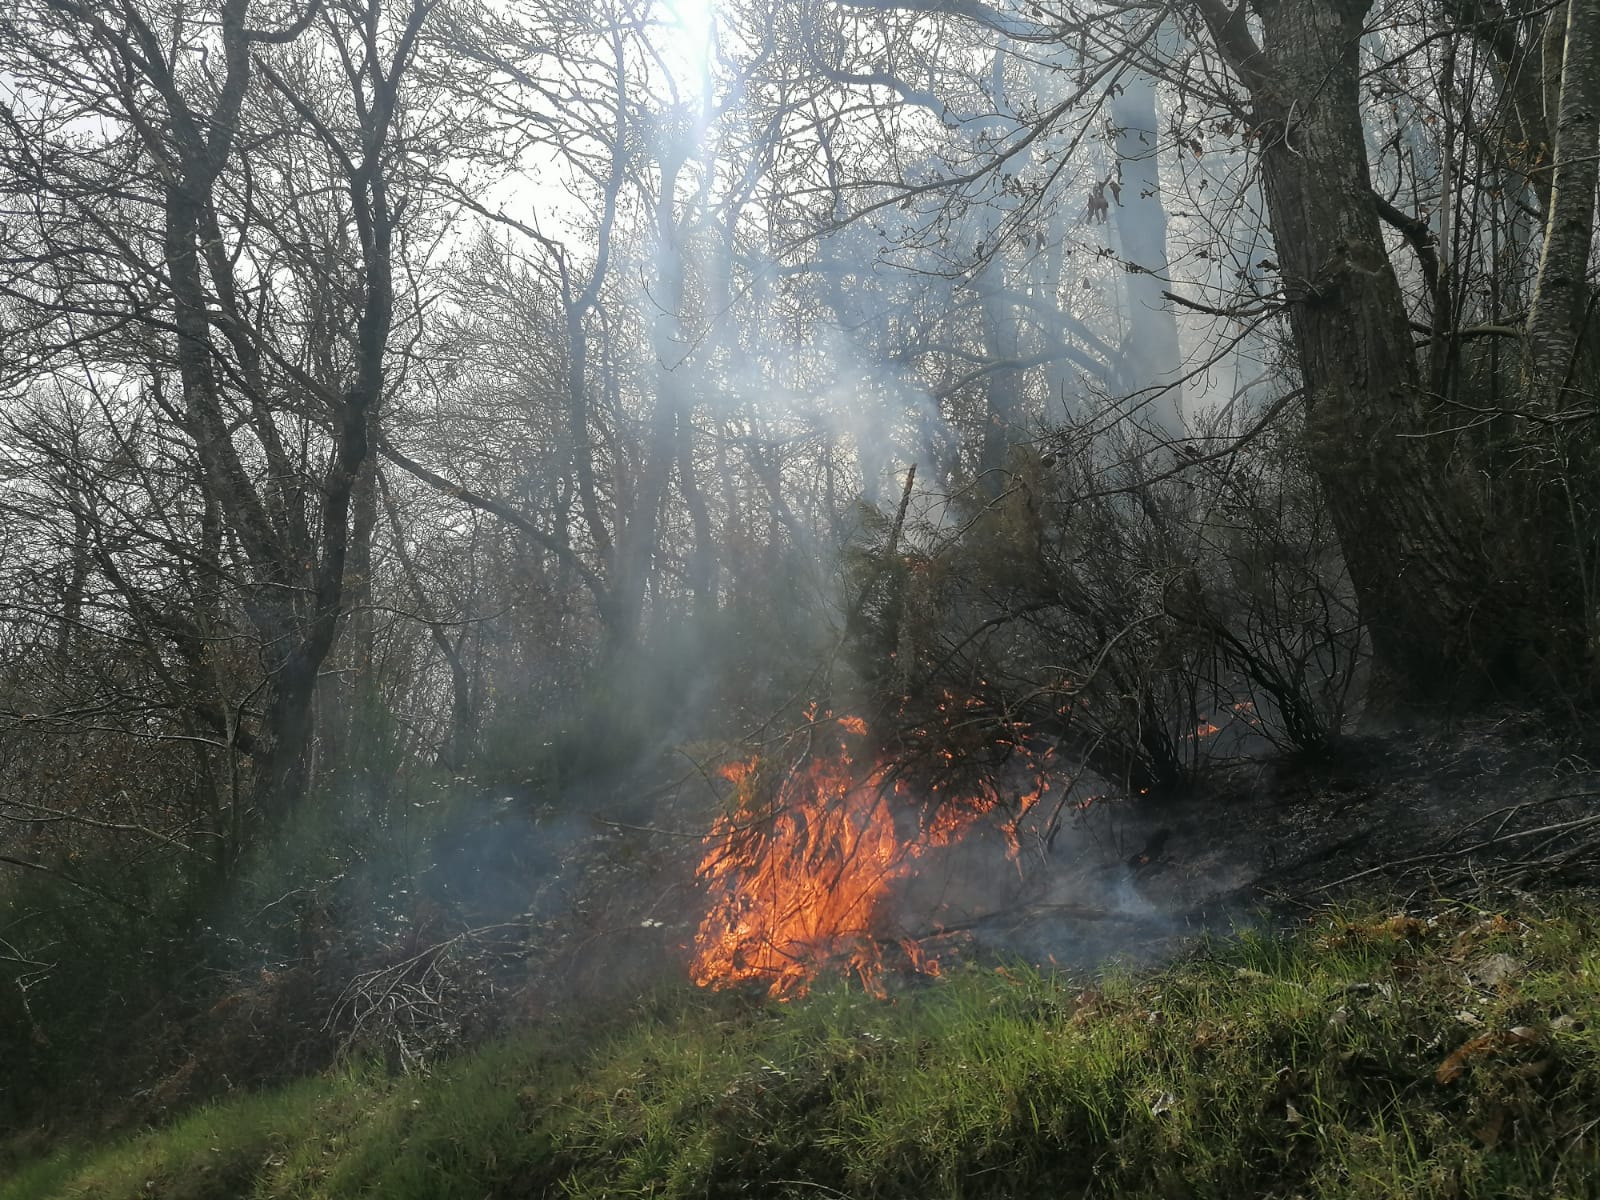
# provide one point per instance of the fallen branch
(1520, 863)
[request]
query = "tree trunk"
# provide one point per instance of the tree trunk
(353, 727)
(640, 537)
(1151, 357)
(1410, 534)
(1553, 347)
(1003, 407)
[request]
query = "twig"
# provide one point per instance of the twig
(27, 865)
(1500, 837)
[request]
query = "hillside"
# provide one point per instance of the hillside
(1438, 1050)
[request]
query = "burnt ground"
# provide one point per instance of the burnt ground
(1481, 809)
(1488, 810)
(535, 913)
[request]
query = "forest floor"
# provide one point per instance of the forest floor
(1490, 808)
(1371, 976)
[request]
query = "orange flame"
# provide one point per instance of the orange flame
(798, 884)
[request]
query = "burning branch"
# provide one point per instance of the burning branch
(798, 874)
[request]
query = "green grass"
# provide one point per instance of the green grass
(1454, 1053)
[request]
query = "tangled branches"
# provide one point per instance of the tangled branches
(418, 1007)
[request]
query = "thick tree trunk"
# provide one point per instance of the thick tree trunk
(1410, 533)
(1554, 353)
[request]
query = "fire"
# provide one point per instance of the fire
(799, 875)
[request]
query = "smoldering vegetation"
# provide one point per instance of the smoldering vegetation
(549, 505)
(1060, 690)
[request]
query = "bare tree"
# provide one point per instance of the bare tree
(212, 222)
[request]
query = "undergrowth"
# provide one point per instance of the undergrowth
(1445, 1052)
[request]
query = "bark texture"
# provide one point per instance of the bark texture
(1554, 354)
(1410, 532)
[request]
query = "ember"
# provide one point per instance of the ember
(799, 874)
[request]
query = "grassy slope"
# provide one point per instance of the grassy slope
(1453, 1055)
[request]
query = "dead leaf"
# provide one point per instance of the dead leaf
(1454, 1067)
(1486, 1044)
